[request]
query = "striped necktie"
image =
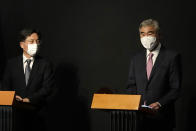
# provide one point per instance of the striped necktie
(149, 65)
(27, 70)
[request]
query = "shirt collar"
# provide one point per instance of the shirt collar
(156, 51)
(25, 58)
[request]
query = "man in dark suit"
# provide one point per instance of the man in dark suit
(155, 73)
(32, 78)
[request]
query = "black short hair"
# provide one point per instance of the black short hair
(24, 33)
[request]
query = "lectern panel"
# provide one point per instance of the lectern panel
(6, 97)
(116, 101)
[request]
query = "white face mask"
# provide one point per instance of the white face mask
(32, 49)
(148, 42)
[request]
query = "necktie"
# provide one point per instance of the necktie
(27, 70)
(149, 65)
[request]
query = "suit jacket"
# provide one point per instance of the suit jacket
(164, 83)
(41, 80)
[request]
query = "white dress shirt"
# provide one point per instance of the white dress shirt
(155, 53)
(25, 63)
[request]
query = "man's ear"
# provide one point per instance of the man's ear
(158, 35)
(21, 45)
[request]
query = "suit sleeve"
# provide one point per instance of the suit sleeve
(131, 84)
(6, 80)
(48, 84)
(175, 75)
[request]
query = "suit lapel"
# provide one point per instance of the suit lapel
(21, 70)
(143, 68)
(33, 71)
(157, 62)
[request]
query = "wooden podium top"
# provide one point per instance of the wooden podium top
(116, 101)
(6, 97)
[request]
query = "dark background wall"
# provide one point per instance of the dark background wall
(91, 43)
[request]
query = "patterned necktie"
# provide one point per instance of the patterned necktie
(27, 70)
(149, 65)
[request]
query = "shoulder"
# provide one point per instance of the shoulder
(169, 52)
(43, 61)
(14, 60)
(138, 55)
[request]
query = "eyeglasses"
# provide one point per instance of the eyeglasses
(33, 41)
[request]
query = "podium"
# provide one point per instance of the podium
(6, 111)
(122, 108)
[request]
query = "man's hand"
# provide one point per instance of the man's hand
(18, 98)
(155, 105)
(26, 100)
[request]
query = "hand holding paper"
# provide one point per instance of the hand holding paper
(155, 105)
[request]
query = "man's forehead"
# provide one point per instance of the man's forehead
(147, 29)
(33, 36)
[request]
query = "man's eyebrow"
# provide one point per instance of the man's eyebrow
(151, 31)
(33, 39)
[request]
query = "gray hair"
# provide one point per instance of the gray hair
(150, 22)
